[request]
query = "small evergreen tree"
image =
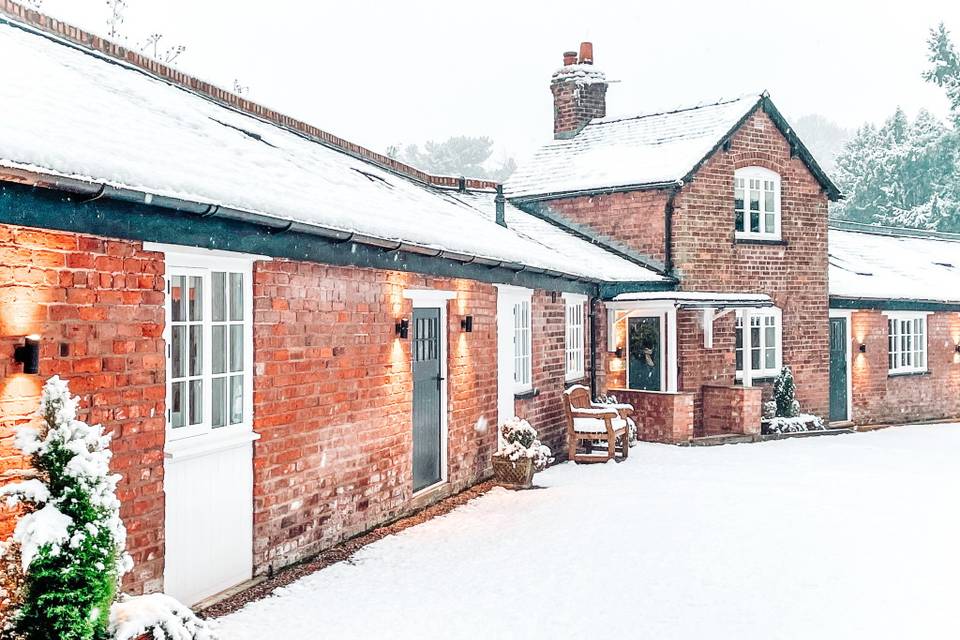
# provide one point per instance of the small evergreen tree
(72, 541)
(784, 391)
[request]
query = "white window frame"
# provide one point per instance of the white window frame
(202, 263)
(905, 353)
(761, 316)
(574, 335)
(763, 176)
(523, 345)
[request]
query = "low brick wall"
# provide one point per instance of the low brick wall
(731, 409)
(660, 416)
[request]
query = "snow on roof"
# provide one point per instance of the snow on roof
(581, 255)
(889, 265)
(698, 298)
(73, 112)
(646, 149)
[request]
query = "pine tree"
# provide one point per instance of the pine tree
(944, 68)
(784, 394)
(72, 542)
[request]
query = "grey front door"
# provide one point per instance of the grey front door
(838, 369)
(643, 346)
(427, 382)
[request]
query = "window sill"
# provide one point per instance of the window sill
(578, 377)
(760, 379)
(907, 374)
(526, 395)
(205, 444)
(770, 241)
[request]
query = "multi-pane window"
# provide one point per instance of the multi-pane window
(907, 343)
(521, 345)
(574, 336)
(208, 343)
(765, 335)
(756, 203)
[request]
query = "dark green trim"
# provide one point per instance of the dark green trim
(51, 209)
(797, 148)
(883, 304)
(609, 290)
(527, 395)
(895, 232)
(908, 374)
(598, 191)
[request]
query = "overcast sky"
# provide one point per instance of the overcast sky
(384, 72)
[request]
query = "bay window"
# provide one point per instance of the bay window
(907, 346)
(756, 203)
(764, 356)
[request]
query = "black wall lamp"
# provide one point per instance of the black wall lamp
(957, 348)
(863, 347)
(403, 328)
(466, 324)
(619, 352)
(28, 354)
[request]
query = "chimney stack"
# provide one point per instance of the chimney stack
(579, 93)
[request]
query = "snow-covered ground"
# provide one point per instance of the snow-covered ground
(854, 536)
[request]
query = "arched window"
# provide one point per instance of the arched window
(756, 198)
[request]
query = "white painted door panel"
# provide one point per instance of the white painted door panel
(209, 522)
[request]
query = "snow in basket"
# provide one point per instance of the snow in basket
(520, 441)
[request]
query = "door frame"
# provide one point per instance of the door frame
(434, 299)
(846, 315)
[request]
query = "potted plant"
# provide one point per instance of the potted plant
(520, 456)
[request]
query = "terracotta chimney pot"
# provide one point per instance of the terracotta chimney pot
(586, 53)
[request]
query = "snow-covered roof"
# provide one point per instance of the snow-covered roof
(73, 112)
(885, 264)
(643, 150)
(600, 262)
(697, 298)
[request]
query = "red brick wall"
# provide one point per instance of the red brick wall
(660, 417)
(881, 398)
(102, 302)
(731, 409)
(635, 219)
(794, 274)
(333, 401)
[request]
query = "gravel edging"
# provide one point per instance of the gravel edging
(339, 553)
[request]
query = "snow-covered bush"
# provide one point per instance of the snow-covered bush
(784, 391)
(769, 409)
(157, 616)
(782, 414)
(631, 425)
(71, 542)
(520, 441)
(795, 424)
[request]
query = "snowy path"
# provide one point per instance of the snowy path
(854, 536)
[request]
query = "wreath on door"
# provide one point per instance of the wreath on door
(645, 340)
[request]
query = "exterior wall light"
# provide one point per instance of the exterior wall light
(403, 328)
(863, 347)
(619, 352)
(28, 354)
(957, 348)
(466, 324)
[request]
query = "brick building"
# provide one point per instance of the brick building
(294, 339)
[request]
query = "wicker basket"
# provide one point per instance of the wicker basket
(513, 475)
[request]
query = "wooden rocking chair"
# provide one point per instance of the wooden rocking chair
(591, 422)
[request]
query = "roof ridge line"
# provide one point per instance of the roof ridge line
(640, 116)
(113, 52)
(892, 231)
